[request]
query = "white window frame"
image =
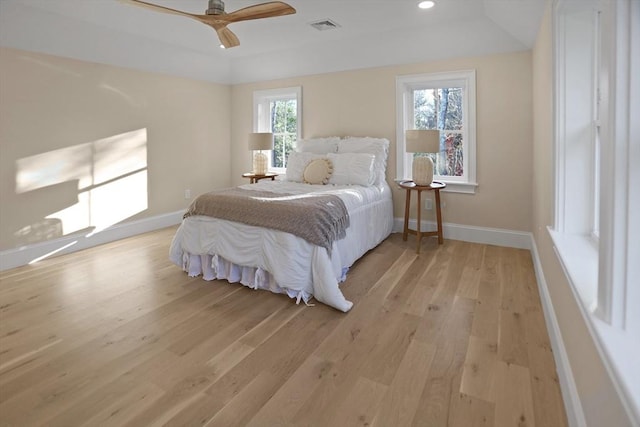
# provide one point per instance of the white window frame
(261, 109)
(603, 272)
(405, 85)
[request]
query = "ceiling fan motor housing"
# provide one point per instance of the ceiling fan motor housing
(216, 7)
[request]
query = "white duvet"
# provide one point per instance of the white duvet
(281, 262)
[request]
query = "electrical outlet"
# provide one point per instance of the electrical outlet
(428, 204)
(187, 194)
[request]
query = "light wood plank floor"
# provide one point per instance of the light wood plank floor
(117, 335)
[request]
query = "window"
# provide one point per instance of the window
(279, 111)
(597, 218)
(578, 135)
(445, 102)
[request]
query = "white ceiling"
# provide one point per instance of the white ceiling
(372, 33)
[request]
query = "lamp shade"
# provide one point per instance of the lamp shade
(422, 141)
(261, 141)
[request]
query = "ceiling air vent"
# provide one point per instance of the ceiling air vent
(325, 24)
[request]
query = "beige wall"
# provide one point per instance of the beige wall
(54, 107)
(54, 116)
(362, 103)
(601, 404)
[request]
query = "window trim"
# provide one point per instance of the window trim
(406, 84)
(264, 97)
(602, 281)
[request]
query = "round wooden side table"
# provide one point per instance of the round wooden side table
(253, 178)
(410, 186)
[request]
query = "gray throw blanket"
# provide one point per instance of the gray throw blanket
(319, 219)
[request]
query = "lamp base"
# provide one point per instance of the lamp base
(260, 164)
(422, 170)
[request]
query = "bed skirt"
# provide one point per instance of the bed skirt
(214, 267)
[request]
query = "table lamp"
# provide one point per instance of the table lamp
(257, 142)
(422, 141)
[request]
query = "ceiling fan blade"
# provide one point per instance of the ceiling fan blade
(258, 11)
(219, 22)
(227, 38)
(157, 8)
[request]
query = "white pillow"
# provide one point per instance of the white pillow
(352, 169)
(379, 147)
(318, 145)
(297, 162)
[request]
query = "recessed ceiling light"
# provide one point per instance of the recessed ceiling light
(426, 4)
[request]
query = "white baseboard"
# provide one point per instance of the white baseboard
(23, 255)
(570, 396)
(469, 233)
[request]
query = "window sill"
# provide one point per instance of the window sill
(579, 259)
(453, 186)
(618, 349)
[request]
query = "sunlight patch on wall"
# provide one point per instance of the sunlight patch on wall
(105, 205)
(111, 177)
(55, 167)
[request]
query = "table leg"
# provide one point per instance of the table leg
(439, 217)
(407, 199)
(418, 214)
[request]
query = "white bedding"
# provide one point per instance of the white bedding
(281, 262)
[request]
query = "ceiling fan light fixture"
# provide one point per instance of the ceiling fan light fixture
(426, 4)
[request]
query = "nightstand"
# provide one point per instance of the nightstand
(253, 178)
(410, 186)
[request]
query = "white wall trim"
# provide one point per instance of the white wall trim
(570, 396)
(470, 233)
(23, 255)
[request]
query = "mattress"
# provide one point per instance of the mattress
(280, 262)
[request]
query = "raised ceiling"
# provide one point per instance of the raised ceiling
(371, 33)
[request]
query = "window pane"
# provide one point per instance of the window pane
(424, 109)
(442, 109)
(283, 116)
(438, 108)
(284, 125)
(291, 122)
(283, 146)
(278, 150)
(450, 108)
(449, 161)
(278, 116)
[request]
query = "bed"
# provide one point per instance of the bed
(258, 257)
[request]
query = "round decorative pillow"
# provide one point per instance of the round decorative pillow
(318, 171)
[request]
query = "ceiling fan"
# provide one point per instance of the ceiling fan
(216, 17)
